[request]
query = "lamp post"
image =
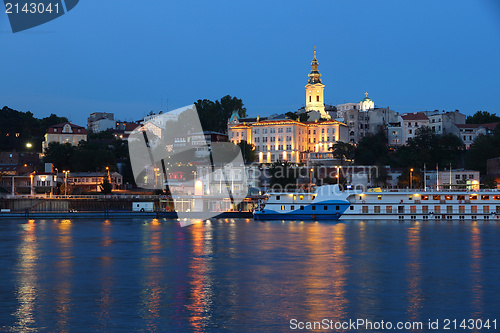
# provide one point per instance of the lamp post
(338, 175)
(65, 182)
(310, 179)
(411, 178)
(156, 169)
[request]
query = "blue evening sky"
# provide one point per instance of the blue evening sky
(124, 56)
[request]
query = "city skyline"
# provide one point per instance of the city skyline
(433, 56)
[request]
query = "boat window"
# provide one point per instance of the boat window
(313, 197)
(473, 197)
(301, 207)
(292, 207)
(294, 197)
(461, 209)
(325, 207)
(496, 197)
(413, 209)
(436, 197)
(337, 207)
(425, 197)
(277, 197)
(473, 209)
(388, 209)
(485, 197)
(401, 209)
(379, 197)
(376, 209)
(486, 209)
(425, 209)
(437, 209)
(365, 209)
(498, 209)
(282, 207)
(449, 209)
(301, 197)
(460, 197)
(448, 197)
(313, 207)
(410, 197)
(352, 207)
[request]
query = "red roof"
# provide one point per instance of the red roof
(467, 125)
(415, 116)
(490, 126)
(73, 128)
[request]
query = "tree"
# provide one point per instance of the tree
(483, 148)
(342, 150)
(214, 115)
(482, 117)
(292, 115)
(372, 149)
(303, 117)
(247, 151)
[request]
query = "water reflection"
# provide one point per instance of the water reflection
(105, 301)
(414, 274)
(63, 268)
(27, 284)
(476, 271)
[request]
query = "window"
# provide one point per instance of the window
(485, 197)
(486, 209)
(496, 197)
(457, 176)
(448, 197)
(436, 197)
(413, 209)
(301, 207)
(310, 98)
(409, 132)
(460, 197)
(461, 209)
(401, 209)
(473, 209)
(325, 207)
(449, 209)
(376, 209)
(425, 197)
(282, 207)
(437, 209)
(364, 209)
(337, 207)
(313, 207)
(473, 197)
(317, 98)
(278, 197)
(379, 197)
(301, 197)
(292, 207)
(497, 209)
(322, 130)
(410, 197)
(425, 209)
(388, 209)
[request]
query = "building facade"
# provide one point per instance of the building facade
(64, 133)
(100, 121)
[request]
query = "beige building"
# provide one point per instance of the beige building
(286, 139)
(64, 133)
(315, 90)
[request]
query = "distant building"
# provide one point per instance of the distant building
(91, 181)
(64, 133)
(457, 177)
(123, 129)
(469, 133)
(443, 123)
(411, 123)
(315, 91)
(100, 121)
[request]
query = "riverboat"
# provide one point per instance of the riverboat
(326, 203)
(330, 203)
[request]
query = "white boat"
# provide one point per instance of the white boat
(326, 203)
(423, 205)
(329, 203)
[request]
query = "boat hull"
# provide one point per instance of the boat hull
(294, 216)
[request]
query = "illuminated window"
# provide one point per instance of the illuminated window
(460, 197)
(388, 209)
(282, 207)
(436, 197)
(292, 207)
(486, 209)
(448, 197)
(413, 209)
(473, 197)
(449, 209)
(425, 209)
(379, 197)
(496, 197)
(473, 209)
(425, 197)
(461, 209)
(485, 197)
(410, 197)
(301, 197)
(437, 209)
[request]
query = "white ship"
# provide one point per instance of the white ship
(329, 203)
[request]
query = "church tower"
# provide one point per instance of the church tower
(314, 90)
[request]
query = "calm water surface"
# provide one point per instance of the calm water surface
(242, 275)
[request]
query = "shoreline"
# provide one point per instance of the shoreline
(116, 215)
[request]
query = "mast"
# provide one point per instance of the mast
(437, 176)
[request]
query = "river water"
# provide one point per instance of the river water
(242, 275)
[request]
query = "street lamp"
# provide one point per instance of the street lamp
(66, 182)
(337, 175)
(411, 178)
(310, 179)
(29, 145)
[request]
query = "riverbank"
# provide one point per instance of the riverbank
(116, 215)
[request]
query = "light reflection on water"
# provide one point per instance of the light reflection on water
(241, 275)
